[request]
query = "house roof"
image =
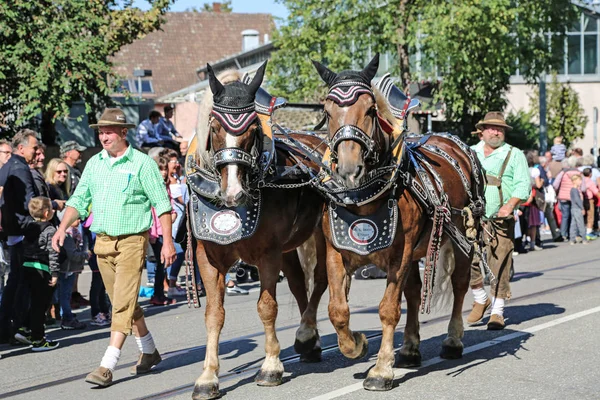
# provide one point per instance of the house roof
(188, 40)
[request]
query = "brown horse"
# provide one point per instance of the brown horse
(359, 148)
(281, 220)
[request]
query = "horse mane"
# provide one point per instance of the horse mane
(383, 108)
(206, 104)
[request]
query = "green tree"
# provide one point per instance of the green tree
(564, 115)
(474, 46)
(208, 7)
(525, 134)
(54, 53)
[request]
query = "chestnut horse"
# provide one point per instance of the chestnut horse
(359, 146)
(287, 219)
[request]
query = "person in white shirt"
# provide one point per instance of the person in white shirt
(146, 135)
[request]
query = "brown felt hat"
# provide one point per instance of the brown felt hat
(494, 118)
(476, 131)
(112, 117)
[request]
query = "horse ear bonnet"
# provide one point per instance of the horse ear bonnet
(347, 86)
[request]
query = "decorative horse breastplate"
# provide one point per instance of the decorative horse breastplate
(363, 234)
(223, 225)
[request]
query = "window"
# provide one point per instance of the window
(146, 86)
(590, 54)
(579, 52)
(574, 51)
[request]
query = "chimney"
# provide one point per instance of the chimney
(217, 7)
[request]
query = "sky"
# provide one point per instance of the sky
(240, 6)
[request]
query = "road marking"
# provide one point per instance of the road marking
(399, 372)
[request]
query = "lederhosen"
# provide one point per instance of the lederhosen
(499, 244)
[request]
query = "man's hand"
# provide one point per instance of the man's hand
(53, 281)
(58, 239)
(505, 210)
(60, 204)
(167, 254)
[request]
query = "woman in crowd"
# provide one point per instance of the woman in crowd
(58, 179)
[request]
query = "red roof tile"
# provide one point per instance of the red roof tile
(187, 41)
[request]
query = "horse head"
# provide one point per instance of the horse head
(351, 110)
(235, 135)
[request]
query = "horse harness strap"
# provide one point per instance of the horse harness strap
(497, 180)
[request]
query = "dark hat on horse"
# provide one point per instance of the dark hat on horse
(365, 76)
(233, 104)
(112, 117)
(494, 118)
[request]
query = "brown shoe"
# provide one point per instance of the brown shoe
(496, 323)
(100, 376)
(145, 363)
(478, 311)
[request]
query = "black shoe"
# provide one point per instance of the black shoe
(559, 239)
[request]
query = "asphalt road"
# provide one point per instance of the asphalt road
(547, 351)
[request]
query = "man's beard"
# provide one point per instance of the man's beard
(495, 142)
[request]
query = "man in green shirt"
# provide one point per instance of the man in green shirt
(508, 184)
(121, 184)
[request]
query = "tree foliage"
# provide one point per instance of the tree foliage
(473, 46)
(54, 53)
(525, 134)
(225, 7)
(564, 115)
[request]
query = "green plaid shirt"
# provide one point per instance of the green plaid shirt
(516, 181)
(121, 194)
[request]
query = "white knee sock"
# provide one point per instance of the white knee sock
(111, 358)
(498, 306)
(480, 295)
(146, 344)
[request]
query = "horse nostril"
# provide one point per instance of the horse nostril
(238, 196)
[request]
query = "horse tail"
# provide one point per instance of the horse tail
(307, 253)
(442, 288)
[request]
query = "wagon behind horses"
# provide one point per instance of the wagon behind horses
(250, 200)
(394, 199)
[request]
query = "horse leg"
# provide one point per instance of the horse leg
(271, 371)
(352, 344)
(381, 376)
(207, 385)
(306, 335)
(308, 341)
(409, 355)
(452, 347)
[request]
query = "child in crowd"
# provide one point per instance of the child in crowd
(40, 272)
(558, 150)
(99, 303)
(577, 227)
(73, 264)
(592, 194)
(159, 298)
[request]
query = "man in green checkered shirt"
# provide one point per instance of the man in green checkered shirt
(122, 185)
(508, 184)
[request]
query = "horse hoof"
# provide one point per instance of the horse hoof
(206, 392)
(378, 384)
(312, 356)
(305, 347)
(269, 378)
(412, 360)
(451, 352)
(361, 339)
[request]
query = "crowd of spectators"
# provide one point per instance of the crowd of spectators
(565, 199)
